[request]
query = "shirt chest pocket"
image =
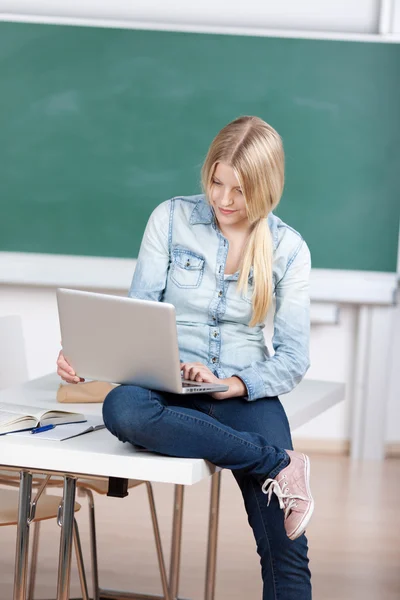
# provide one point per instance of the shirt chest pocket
(248, 296)
(187, 268)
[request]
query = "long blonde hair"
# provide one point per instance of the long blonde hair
(254, 150)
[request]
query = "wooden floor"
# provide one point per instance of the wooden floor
(354, 539)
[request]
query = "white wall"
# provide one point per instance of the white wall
(358, 16)
(396, 16)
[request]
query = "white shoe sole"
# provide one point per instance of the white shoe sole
(308, 514)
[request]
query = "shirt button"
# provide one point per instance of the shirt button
(214, 360)
(215, 334)
(220, 293)
(214, 318)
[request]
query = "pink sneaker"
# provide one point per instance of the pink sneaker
(292, 487)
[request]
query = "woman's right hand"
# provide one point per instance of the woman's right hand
(65, 371)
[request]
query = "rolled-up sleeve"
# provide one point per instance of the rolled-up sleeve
(152, 264)
(280, 373)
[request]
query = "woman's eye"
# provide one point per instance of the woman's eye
(240, 192)
(216, 182)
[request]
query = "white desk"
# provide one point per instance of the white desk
(99, 454)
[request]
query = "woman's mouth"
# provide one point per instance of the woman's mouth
(225, 211)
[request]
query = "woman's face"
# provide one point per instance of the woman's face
(226, 197)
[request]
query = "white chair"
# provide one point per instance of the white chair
(13, 365)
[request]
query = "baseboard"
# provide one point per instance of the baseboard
(323, 446)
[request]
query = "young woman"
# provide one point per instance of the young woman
(219, 258)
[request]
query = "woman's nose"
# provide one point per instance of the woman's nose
(227, 199)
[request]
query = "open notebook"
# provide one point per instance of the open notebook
(16, 417)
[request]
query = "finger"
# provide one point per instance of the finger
(63, 373)
(196, 373)
(68, 379)
(206, 375)
(73, 380)
(186, 368)
(61, 356)
(66, 376)
(65, 366)
(192, 373)
(65, 361)
(192, 364)
(191, 370)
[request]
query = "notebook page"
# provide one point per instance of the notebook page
(19, 410)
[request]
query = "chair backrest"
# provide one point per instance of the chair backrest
(47, 507)
(13, 364)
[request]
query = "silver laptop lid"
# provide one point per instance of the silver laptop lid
(120, 339)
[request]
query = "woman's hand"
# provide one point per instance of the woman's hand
(195, 371)
(65, 371)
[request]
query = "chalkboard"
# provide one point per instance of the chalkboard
(98, 126)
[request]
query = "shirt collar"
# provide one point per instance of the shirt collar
(202, 213)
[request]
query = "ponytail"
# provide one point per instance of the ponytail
(258, 254)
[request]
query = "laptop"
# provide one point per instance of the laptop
(124, 340)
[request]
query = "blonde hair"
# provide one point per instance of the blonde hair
(254, 150)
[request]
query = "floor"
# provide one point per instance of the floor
(354, 539)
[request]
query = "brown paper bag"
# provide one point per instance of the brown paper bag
(88, 391)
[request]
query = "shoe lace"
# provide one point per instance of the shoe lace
(287, 501)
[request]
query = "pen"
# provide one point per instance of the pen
(44, 428)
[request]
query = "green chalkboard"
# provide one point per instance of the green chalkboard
(97, 126)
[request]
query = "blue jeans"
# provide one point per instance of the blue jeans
(247, 437)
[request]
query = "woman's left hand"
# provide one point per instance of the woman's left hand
(195, 371)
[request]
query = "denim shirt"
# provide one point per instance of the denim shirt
(182, 261)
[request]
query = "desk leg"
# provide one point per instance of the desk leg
(212, 536)
(176, 542)
(66, 521)
(22, 547)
